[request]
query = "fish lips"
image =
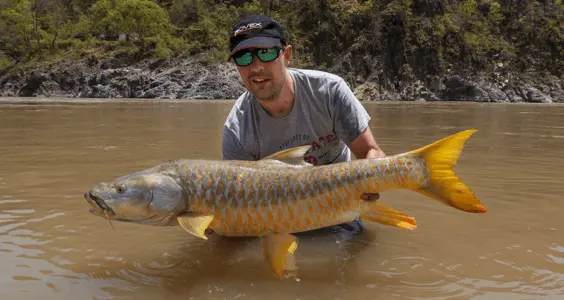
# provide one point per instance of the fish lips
(99, 206)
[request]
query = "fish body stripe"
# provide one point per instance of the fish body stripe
(250, 200)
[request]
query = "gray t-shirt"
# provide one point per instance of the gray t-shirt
(325, 115)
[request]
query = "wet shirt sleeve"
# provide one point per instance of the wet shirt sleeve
(350, 116)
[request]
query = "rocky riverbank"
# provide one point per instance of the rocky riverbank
(190, 78)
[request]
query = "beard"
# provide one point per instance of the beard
(264, 87)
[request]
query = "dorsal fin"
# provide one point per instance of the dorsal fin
(292, 156)
(277, 163)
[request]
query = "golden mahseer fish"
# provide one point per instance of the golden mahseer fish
(281, 195)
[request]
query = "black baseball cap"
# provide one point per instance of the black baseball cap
(255, 31)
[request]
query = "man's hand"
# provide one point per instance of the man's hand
(375, 153)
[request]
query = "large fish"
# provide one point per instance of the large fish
(281, 194)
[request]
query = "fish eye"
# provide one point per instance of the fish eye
(120, 189)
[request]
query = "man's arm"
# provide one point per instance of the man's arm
(365, 146)
(351, 123)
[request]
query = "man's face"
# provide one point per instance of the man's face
(266, 79)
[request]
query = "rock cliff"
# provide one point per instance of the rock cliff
(189, 78)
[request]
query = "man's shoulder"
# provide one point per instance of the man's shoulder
(240, 109)
(315, 76)
(239, 119)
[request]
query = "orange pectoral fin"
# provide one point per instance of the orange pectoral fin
(195, 224)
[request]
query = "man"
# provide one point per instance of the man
(285, 108)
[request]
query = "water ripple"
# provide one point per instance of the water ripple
(51, 247)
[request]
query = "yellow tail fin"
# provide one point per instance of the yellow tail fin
(445, 186)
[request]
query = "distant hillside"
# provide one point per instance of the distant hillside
(475, 50)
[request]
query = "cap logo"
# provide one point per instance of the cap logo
(247, 27)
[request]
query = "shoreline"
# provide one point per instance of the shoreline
(85, 101)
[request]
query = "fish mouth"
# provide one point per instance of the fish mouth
(98, 205)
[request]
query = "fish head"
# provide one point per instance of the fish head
(151, 199)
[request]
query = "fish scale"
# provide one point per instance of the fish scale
(292, 199)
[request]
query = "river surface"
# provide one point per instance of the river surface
(52, 248)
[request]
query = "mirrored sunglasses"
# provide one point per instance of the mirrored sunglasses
(245, 57)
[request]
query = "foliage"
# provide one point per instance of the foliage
(426, 37)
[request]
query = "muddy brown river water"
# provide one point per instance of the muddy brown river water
(52, 248)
